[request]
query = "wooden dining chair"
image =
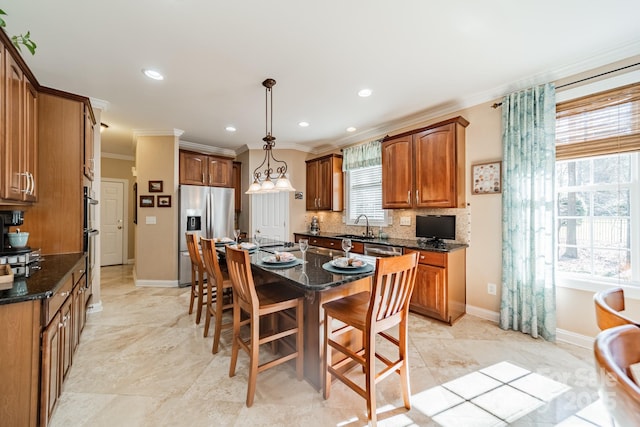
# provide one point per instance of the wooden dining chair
(219, 289)
(615, 350)
(257, 302)
(609, 303)
(198, 292)
(372, 314)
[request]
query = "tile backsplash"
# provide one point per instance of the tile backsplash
(332, 222)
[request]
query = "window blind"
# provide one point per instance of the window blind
(365, 193)
(598, 124)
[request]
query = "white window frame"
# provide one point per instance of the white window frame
(591, 285)
(351, 216)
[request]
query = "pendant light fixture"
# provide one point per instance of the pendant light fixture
(282, 182)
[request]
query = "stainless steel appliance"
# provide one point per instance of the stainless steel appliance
(89, 231)
(206, 211)
(381, 251)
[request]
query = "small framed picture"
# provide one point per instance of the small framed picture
(164, 201)
(147, 201)
(155, 186)
(486, 178)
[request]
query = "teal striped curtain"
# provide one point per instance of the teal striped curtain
(528, 213)
(362, 156)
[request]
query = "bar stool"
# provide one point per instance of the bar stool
(609, 303)
(257, 302)
(372, 313)
(216, 303)
(197, 276)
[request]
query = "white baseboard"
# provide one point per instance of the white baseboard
(95, 307)
(563, 335)
(157, 283)
(579, 340)
(483, 313)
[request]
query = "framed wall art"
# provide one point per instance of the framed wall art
(155, 186)
(486, 178)
(147, 201)
(164, 201)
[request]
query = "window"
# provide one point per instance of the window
(364, 195)
(598, 189)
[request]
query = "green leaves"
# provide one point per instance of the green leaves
(22, 39)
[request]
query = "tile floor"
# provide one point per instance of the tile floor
(142, 361)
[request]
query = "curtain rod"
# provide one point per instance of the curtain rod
(498, 104)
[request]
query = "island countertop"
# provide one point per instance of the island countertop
(55, 270)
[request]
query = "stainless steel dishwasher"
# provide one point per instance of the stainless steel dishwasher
(381, 251)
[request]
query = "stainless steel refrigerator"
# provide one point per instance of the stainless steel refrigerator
(206, 211)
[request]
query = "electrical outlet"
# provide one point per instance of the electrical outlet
(405, 220)
(491, 288)
(150, 220)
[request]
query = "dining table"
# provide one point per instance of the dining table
(319, 278)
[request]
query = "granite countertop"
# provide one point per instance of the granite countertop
(310, 275)
(404, 243)
(55, 270)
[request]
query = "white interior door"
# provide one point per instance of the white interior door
(112, 225)
(270, 215)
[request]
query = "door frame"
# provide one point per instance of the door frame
(125, 216)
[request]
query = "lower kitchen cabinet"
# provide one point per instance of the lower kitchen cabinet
(330, 243)
(440, 289)
(60, 338)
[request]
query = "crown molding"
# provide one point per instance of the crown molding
(99, 104)
(207, 149)
(157, 132)
(117, 156)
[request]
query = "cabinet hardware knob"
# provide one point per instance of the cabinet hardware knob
(417, 197)
(64, 294)
(409, 197)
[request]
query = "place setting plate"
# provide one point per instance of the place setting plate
(251, 247)
(350, 266)
(286, 261)
(223, 241)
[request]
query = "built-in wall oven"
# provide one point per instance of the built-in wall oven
(90, 230)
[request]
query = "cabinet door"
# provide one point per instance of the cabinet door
(324, 184)
(51, 375)
(31, 142)
(220, 172)
(15, 181)
(237, 185)
(312, 185)
(397, 173)
(429, 292)
(435, 154)
(194, 168)
(89, 160)
(76, 307)
(66, 339)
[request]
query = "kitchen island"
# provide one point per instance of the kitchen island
(318, 287)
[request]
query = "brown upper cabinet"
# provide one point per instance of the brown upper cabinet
(19, 122)
(324, 183)
(204, 169)
(424, 168)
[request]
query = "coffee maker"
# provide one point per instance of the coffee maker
(10, 219)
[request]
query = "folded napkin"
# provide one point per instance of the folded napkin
(284, 256)
(248, 245)
(348, 262)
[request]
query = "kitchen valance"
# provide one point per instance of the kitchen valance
(362, 156)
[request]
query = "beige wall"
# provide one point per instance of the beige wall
(157, 244)
(121, 169)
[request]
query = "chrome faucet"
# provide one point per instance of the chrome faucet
(368, 232)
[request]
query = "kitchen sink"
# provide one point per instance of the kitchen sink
(355, 236)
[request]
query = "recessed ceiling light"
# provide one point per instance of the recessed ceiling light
(351, 129)
(303, 124)
(153, 74)
(230, 129)
(364, 93)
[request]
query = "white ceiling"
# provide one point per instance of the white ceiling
(418, 56)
